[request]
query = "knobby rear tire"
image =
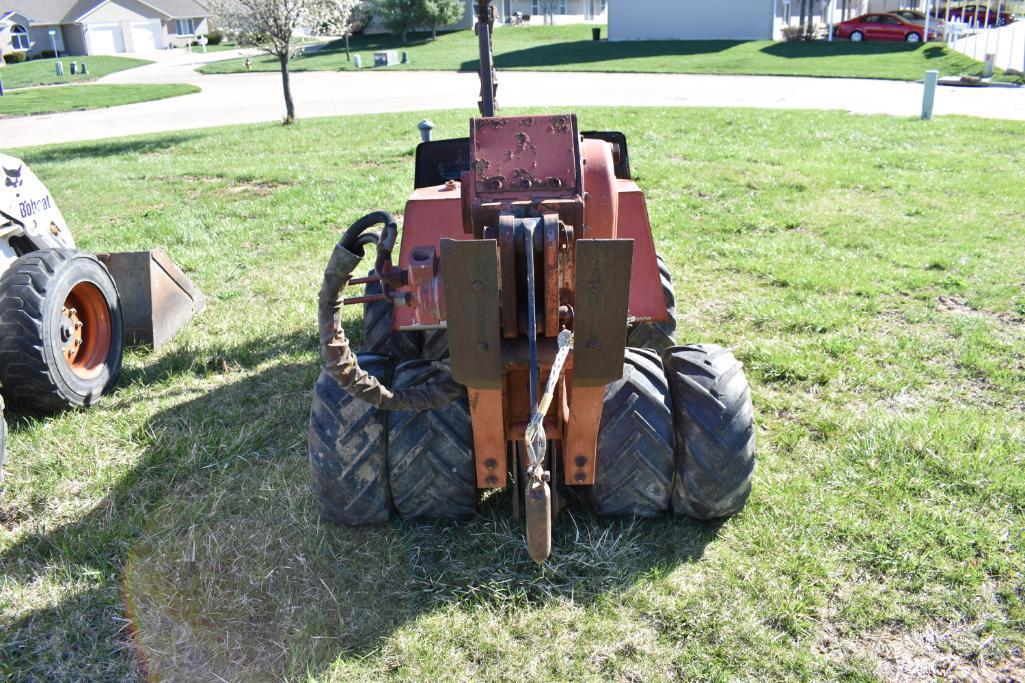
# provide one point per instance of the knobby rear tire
(348, 450)
(715, 436)
(657, 336)
(378, 336)
(431, 467)
(634, 468)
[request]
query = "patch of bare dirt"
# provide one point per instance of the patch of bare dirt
(958, 306)
(947, 653)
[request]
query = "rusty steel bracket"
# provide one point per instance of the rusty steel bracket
(469, 274)
(600, 309)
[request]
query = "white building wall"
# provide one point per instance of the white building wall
(690, 20)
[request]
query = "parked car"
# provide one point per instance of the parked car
(916, 17)
(978, 15)
(882, 27)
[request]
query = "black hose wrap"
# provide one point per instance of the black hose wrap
(339, 359)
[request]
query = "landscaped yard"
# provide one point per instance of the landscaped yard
(76, 97)
(44, 71)
(867, 270)
(570, 48)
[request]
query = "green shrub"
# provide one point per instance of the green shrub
(215, 37)
(15, 58)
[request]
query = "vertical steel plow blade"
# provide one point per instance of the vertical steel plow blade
(157, 298)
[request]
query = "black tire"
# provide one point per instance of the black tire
(34, 372)
(378, 336)
(913, 37)
(857, 36)
(635, 464)
(347, 448)
(3, 439)
(657, 336)
(435, 345)
(715, 436)
(431, 465)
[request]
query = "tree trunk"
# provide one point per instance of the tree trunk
(286, 85)
(347, 57)
(434, 31)
(804, 13)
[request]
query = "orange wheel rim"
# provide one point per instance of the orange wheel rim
(85, 330)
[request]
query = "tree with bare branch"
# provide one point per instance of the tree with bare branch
(273, 25)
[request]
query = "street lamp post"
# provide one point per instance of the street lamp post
(53, 42)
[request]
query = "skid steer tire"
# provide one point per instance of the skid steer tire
(38, 330)
(715, 438)
(347, 447)
(431, 465)
(657, 336)
(635, 464)
(378, 336)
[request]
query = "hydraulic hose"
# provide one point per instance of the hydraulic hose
(340, 360)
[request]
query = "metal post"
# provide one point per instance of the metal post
(487, 63)
(53, 42)
(425, 127)
(929, 94)
(829, 14)
(925, 32)
(1, 88)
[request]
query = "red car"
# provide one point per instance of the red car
(976, 15)
(882, 27)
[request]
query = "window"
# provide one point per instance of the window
(19, 37)
(787, 14)
(888, 20)
(535, 6)
(186, 27)
(562, 7)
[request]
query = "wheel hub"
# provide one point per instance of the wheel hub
(71, 331)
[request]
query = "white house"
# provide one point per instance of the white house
(88, 27)
(736, 20)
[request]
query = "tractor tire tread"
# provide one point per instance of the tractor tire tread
(347, 450)
(715, 435)
(431, 466)
(635, 461)
(657, 336)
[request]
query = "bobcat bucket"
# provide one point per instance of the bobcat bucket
(157, 298)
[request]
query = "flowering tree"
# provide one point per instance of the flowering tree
(272, 25)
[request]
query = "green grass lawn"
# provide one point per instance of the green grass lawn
(76, 97)
(570, 48)
(867, 271)
(44, 72)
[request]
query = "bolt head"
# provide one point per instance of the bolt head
(482, 346)
(592, 345)
(580, 476)
(580, 460)
(477, 286)
(491, 480)
(491, 463)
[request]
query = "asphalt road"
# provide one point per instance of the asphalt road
(256, 97)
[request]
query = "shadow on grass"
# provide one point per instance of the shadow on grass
(103, 150)
(844, 48)
(229, 571)
(588, 51)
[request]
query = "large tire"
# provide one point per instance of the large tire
(378, 336)
(634, 468)
(431, 465)
(347, 446)
(657, 336)
(3, 439)
(41, 365)
(435, 345)
(715, 436)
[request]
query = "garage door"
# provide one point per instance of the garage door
(146, 36)
(105, 39)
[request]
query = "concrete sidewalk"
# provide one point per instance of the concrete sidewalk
(256, 97)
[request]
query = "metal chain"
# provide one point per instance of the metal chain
(537, 441)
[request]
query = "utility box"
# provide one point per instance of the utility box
(386, 58)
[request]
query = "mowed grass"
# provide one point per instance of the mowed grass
(867, 271)
(78, 97)
(44, 71)
(570, 48)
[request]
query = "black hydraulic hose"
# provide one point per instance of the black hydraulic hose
(340, 360)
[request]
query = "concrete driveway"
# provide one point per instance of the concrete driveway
(256, 97)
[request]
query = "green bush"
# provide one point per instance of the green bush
(15, 58)
(45, 54)
(215, 37)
